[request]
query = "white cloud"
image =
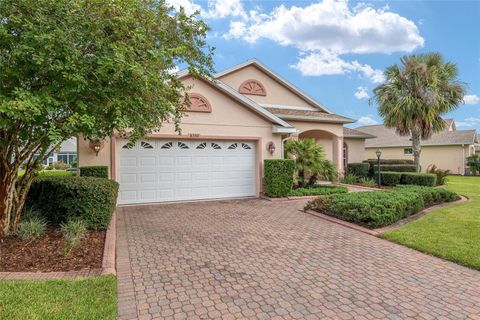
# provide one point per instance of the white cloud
(237, 28)
(471, 99)
(219, 9)
(333, 25)
(361, 93)
(216, 9)
(326, 63)
(189, 6)
(367, 120)
(468, 122)
(326, 30)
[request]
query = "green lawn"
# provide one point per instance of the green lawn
(88, 298)
(452, 233)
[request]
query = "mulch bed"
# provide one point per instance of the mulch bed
(46, 254)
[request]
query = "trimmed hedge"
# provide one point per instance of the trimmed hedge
(358, 169)
(376, 209)
(278, 179)
(59, 199)
(420, 179)
(390, 178)
(396, 168)
(94, 171)
(390, 161)
(318, 191)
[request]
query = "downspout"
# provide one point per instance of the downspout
(288, 137)
(463, 159)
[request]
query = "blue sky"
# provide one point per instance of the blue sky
(336, 50)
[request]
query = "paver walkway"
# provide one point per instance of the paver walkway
(266, 260)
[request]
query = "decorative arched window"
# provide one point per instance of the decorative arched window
(182, 145)
(146, 145)
(198, 103)
(215, 146)
(233, 146)
(167, 145)
(202, 145)
(246, 146)
(253, 87)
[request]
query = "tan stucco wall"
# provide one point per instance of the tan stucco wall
(356, 150)
(444, 157)
(228, 118)
(276, 93)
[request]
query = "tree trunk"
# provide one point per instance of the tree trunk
(7, 197)
(416, 148)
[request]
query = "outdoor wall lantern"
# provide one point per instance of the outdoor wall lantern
(379, 154)
(271, 147)
(96, 146)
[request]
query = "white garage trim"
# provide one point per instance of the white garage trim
(164, 168)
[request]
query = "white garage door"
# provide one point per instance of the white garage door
(171, 170)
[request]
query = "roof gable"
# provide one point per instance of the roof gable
(280, 89)
(241, 99)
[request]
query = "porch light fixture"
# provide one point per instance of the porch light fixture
(379, 154)
(96, 146)
(271, 147)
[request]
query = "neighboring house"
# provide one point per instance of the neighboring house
(447, 150)
(67, 153)
(236, 120)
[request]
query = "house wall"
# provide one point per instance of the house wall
(276, 92)
(228, 119)
(356, 150)
(444, 157)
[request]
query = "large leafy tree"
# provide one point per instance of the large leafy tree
(416, 94)
(89, 67)
(310, 162)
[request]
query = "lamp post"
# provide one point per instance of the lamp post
(379, 153)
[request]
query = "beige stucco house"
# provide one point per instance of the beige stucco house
(447, 150)
(236, 119)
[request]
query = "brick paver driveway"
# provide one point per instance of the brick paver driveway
(262, 260)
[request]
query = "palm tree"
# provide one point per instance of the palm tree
(416, 94)
(310, 162)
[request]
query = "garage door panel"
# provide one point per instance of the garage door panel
(128, 161)
(148, 162)
(165, 170)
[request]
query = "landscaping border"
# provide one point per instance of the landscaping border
(108, 263)
(376, 232)
(289, 198)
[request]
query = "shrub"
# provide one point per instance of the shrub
(318, 190)
(441, 174)
(60, 199)
(73, 231)
(31, 227)
(367, 182)
(420, 179)
(380, 208)
(390, 178)
(59, 165)
(395, 168)
(56, 173)
(94, 171)
(278, 178)
(473, 162)
(358, 169)
(390, 161)
(349, 179)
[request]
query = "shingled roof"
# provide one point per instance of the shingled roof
(308, 115)
(387, 137)
(356, 134)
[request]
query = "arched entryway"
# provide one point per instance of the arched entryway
(331, 143)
